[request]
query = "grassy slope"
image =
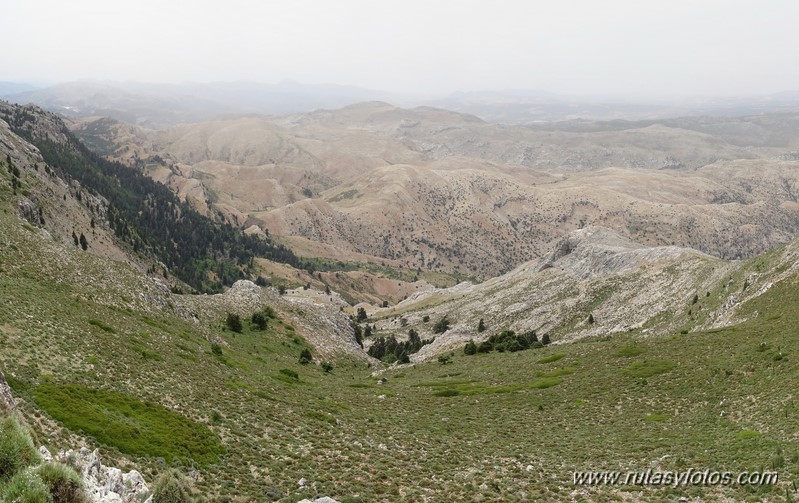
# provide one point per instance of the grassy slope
(590, 409)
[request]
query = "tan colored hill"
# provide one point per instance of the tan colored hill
(431, 189)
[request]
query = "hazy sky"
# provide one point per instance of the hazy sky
(589, 47)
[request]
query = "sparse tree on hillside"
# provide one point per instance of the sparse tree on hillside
(545, 339)
(470, 348)
(259, 320)
(591, 318)
(358, 335)
(481, 326)
(233, 322)
(441, 325)
(83, 243)
(361, 315)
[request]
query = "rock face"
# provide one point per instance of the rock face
(104, 484)
(7, 403)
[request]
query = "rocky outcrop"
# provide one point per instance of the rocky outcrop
(323, 499)
(104, 484)
(7, 403)
(29, 211)
(598, 251)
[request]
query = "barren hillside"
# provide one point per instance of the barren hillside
(431, 189)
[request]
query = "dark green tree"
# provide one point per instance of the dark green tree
(233, 322)
(441, 325)
(358, 335)
(83, 243)
(481, 326)
(259, 320)
(470, 348)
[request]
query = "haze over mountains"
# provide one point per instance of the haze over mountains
(162, 105)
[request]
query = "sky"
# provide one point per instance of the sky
(612, 48)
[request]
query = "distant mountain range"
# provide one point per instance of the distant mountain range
(163, 105)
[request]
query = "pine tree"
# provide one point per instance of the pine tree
(233, 322)
(481, 326)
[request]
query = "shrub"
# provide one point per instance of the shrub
(171, 487)
(102, 326)
(327, 366)
(290, 373)
(649, 368)
(305, 356)
(444, 359)
(747, 435)
(134, 427)
(26, 487)
(551, 358)
(485, 347)
(425, 318)
(447, 392)
(441, 325)
(481, 326)
(233, 322)
(259, 320)
(630, 350)
(216, 349)
(358, 335)
(470, 348)
(16, 449)
(64, 483)
(361, 314)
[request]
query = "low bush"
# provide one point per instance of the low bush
(447, 392)
(290, 373)
(26, 487)
(171, 487)
(16, 449)
(63, 483)
(134, 427)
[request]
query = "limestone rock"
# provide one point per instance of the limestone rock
(45, 454)
(7, 403)
(105, 484)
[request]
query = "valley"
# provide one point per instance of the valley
(658, 279)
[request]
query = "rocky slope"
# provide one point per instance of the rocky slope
(624, 286)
